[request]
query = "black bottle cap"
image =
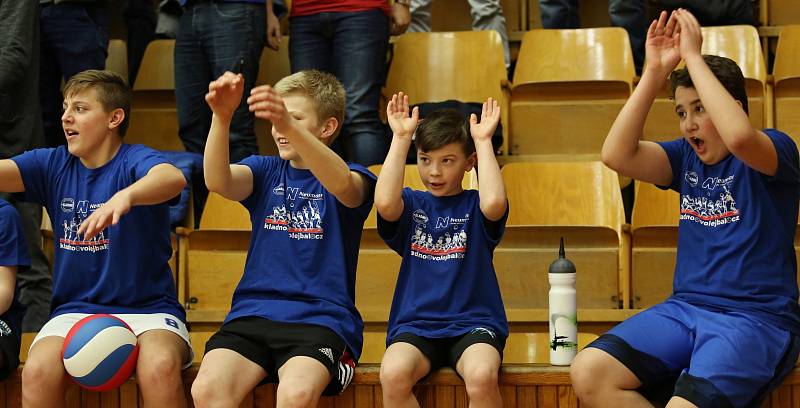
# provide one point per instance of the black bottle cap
(562, 264)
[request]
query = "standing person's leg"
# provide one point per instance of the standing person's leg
(559, 13)
(631, 15)
(420, 16)
(192, 76)
(140, 21)
(360, 42)
(488, 15)
(35, 284)
(234, 40)
(77, 35)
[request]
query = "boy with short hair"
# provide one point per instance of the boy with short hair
(447, 309)
(293, 318)
(728, 334)
(13, 258)
(106, 200)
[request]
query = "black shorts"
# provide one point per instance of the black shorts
(10, 339)
(271, 344)
(447, 351)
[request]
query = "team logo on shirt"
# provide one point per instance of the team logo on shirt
(420, 217)
(67, 204)
(691, 178)
(70, 239)
(278, 190)
(425, 245)
(715, 208)
(301, 223)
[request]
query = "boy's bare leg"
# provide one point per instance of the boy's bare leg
(600, 380)
(479, 366)
(678, 402)
(224, 379)
(162, 354)
(402, 367)
(301, 382)
(43, 375)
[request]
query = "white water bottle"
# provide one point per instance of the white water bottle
(563, 310)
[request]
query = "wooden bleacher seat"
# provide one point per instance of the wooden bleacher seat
(212, 260)
(740, 43)
(569, 86)
(434, 67)
(786, 74)
(154, 117)
(117, 59)
(654, 242)
(272, 66)
(581, 202)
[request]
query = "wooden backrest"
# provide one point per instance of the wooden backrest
(654, 207)
(786, 75)
(223, 214)
(117, 59)
(563, 194)
(783, 12)
(157, 71)
(435, 67)
(593, 60)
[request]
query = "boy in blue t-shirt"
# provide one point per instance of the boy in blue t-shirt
(728, 334)
(293, 318)
(447, 309)
(106, 201)
(13, 257)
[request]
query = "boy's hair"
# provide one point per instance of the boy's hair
(112, 91)
(442, 127)
(726, 71)
(323, 88)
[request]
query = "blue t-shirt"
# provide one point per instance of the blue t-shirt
(447, 284)
(736, 233)
(123, 269)
(13, 252)
(301, 265)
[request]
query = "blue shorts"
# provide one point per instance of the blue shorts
(710, 358)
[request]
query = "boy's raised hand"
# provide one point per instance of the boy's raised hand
(663, 44)
(403, 126)
(268, 105)
(490, 117)
(225, 94)
(691, 36)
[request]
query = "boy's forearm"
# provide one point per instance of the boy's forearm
(331, 171)
(216, 157)
(623, 137)
(491, 189)
(10, 177)
(728, 117)
(162, 182)
(389, 188)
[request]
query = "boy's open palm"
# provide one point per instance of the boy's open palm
(663, 44)
(403, 125)
(691, 35)
(107, 214)
(490, 117)
(266, 104)
(225, 94)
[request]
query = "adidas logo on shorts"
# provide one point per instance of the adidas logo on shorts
(328, 352)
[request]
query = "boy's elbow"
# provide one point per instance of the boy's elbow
(495, 208)
(609, 159)
(740, 141)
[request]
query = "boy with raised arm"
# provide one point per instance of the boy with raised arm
(728, 334)
(447, 309)
(293, 318)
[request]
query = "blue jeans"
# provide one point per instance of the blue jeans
(351, 46)
(74, 38)
(628, 14)
(213, 38)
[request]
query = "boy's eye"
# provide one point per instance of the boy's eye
(423, 159)
(699, 108)
(681, 114)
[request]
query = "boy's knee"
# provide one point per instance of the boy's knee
(39, 373)
(481, 381)
(585, 373)
(295, 395)
(159, 369)
(206, 392)
(396, 378)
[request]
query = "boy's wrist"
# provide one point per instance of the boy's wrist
(224, 119)
(693, 59)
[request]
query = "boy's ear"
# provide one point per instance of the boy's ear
(117, 117)
(329, 127)
(471, 160)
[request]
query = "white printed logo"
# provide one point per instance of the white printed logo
(67, 204)
(328, 353)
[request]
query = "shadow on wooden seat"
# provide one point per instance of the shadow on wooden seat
(786, 75)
